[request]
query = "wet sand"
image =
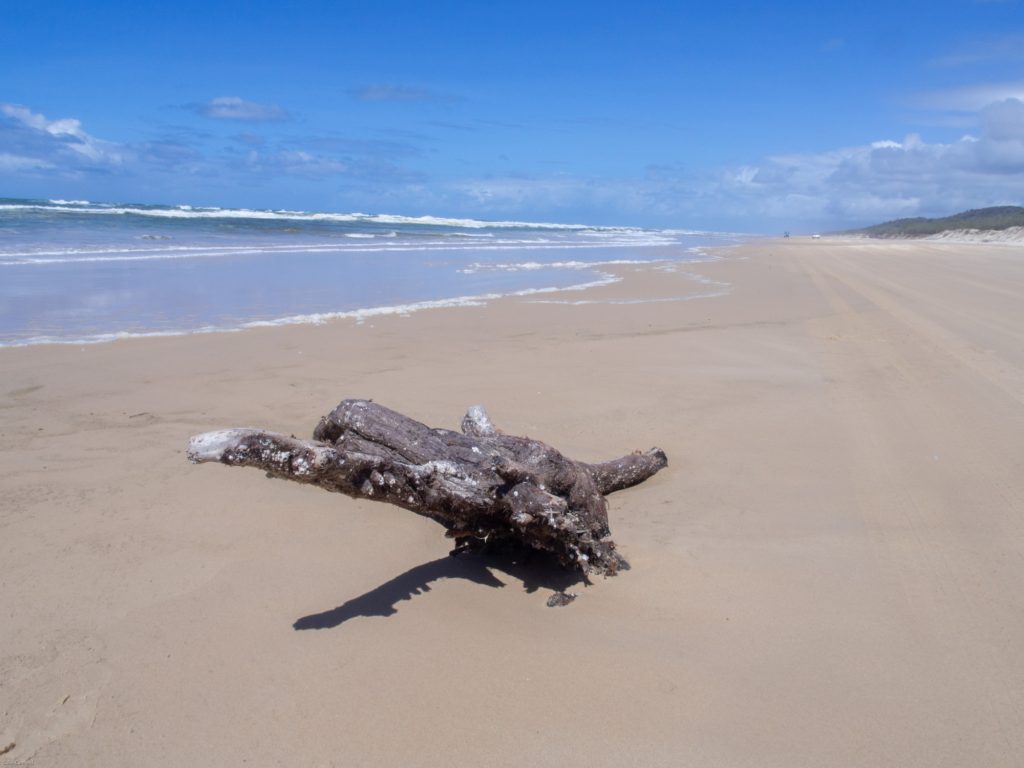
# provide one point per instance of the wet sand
(828, 573)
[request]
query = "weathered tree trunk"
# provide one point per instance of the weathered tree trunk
(483, 486)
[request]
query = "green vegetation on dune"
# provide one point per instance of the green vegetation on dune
(999, 217)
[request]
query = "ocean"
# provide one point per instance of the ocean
(74, 271)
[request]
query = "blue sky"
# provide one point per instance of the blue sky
(733, 116)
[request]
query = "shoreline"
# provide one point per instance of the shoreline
(827, 573)
(605, 273)
(89, 273)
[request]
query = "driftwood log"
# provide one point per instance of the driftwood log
(485, 487)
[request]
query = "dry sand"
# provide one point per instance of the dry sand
(829, 573)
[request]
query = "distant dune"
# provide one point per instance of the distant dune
(1008, 235)
(998, 224)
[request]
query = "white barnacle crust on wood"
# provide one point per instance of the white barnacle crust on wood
(483, 486)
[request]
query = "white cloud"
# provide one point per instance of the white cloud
(59, 137)
(836, 189)
(394, 92)
(9, 162)
(881, 180)
(970, 98)
(237, 108)
(293, 163)
(1004, 120)
(840, 188)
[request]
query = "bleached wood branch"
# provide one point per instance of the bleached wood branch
(483, 486)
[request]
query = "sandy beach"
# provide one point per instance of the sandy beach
(828, 573)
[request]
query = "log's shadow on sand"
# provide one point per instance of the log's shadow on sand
(534, 570)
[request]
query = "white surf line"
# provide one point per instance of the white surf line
(184, 253)
(584, 302)
(205, 212)
(479, 300)
(722, 288)
(103, 338)
(361, 315)
(317, 318)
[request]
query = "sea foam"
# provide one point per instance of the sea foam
(86, 272)
(191, 212)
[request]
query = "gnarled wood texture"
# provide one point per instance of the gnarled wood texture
(483, 486)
